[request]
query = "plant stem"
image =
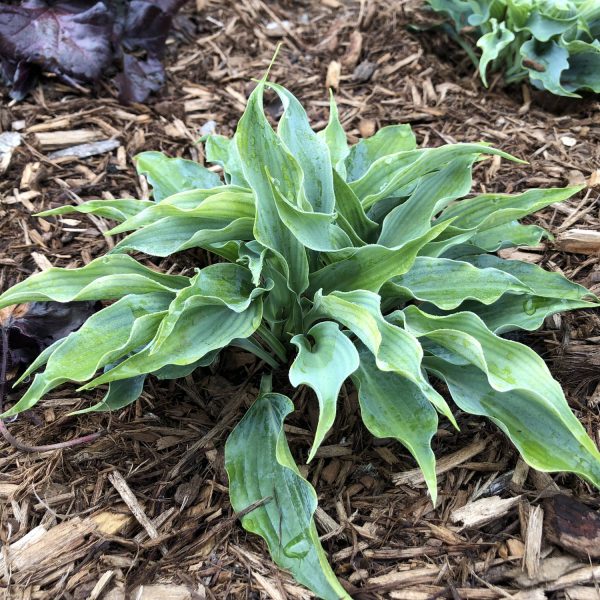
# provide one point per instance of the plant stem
(273, 343)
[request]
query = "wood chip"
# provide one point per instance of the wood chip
(579, 241)
(446, 463)
(483, 511)
(161, 592)
(86, 150)
(50, 140)
(138, 512)
(334, 71)
(533, 541)
(573, 526)
(408, 577)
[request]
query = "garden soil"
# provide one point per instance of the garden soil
(142, 512)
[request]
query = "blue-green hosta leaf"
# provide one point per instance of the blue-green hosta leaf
(222, 284)
(492, 44)
(223, 151)
(314, 230)
(120, 394)
(461, 281)
(179, 371)
(541, 282)
(105, 278)
(395, 171)
(40, 361)
(324, 366)
(388, 140)
(546, 63)
(509, 235)
(105, 337)
(261, 468)
(544, 438)
(369, 267)
(508, 365)
(584, 66)
(545, 27)
(263, 155)
(213, 206)
(309, 149)
(168, 176)
(198, 330)
(527, 312)
(491, 210)
(175, 234)
(392, 406)
(124, 392)
(117, 210)
(412, 218)
(394, 349)
(335, 137)
(351, 215)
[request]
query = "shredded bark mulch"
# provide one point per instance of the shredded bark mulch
(142, 512)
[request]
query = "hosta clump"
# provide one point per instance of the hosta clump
(369, 262)
(556, 43)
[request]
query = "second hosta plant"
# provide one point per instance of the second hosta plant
(369, 263)
(555, 43)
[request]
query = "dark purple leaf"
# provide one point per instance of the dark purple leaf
(148, 24)
(32, 327)
(78, 39)
(139, 78)
(66, 38)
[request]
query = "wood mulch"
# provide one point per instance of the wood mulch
(143, 511)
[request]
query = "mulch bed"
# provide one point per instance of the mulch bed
(146, 504)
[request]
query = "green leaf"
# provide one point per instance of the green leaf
(392, 406)
(508, 365)
(388, 140)
(175, 234)
(546, 440)
(314, 230)
(584, 66)
(390, 173)
(167, 176)
(461, 281)
(394, 349)
(260, 468)
(541, 282)
(105, 278)
(308, 149)
(222, 284)
(351, 215)
(323, 365)
(223, 151)
(545, 63)
(491, 210)
(215, 208)
(192, 328)
(527, 312)
(369, 267)
(117, 210)
(105, 337)
(509, 235)
(120, 394)
(261, 150)
(335, 137)
(545, 27)
(492, 44)
(412, 218)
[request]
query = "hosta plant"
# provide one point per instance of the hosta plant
(370, 263)
(555, 43)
